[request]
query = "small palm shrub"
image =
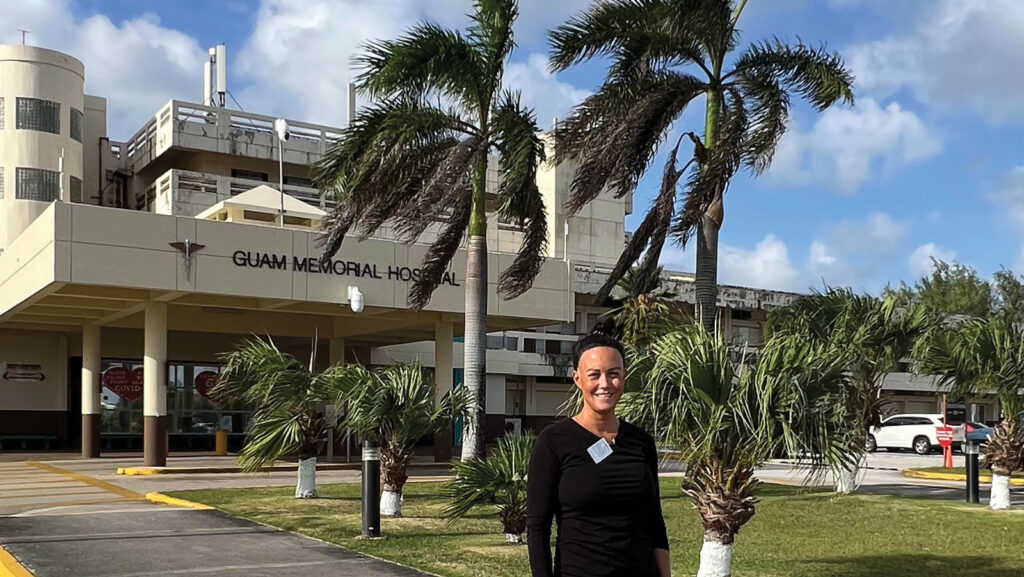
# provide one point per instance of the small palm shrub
(498, 480)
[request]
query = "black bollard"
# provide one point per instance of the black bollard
(971, 464)
(371, 489)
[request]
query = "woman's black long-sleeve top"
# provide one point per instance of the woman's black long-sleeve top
(608, 513)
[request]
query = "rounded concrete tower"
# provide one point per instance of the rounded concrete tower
(41, 107)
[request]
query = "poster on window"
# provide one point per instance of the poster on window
(204, 384)
(120, 382)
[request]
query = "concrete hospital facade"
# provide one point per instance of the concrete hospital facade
(128, 268)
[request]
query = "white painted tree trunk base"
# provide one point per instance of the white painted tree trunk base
(847, 480)
(391, 504)
(513, 539)
(306, 487)
(1000, 497)
(715, 560)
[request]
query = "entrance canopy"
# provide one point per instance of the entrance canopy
(80, 265)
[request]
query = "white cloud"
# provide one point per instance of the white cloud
(767, 265)
(920, 261)
(1011, 197)
(878, 234)
(848, 146)
(958, 53)
(298, 59)
(847, 254)
(137, 64)
(549, 97)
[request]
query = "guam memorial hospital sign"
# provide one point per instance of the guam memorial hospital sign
(254, 259)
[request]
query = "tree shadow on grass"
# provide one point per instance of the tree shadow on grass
(911, 565)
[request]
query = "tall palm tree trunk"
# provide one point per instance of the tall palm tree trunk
(707, 272)
(475, 348)
(707, 229)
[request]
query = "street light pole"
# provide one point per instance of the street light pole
(283, 132)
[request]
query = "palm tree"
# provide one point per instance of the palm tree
(499, 480)
(728, 417)
(984, 356)
(419, 156)
(664, 55)
(875, 333)
(647, 309)
(396, 406)
(288, 397)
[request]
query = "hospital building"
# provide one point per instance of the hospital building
(127, 268)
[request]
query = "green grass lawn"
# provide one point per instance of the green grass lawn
(982, 474)
(796, 533)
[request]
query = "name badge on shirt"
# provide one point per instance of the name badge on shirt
(600, 450)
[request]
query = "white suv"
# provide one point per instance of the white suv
(915, 432)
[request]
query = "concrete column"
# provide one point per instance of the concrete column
(444, 334)
(154, 386)
(91, 391)
(337, 352)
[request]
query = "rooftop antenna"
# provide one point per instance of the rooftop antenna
(222, 73)
(215, 77)
(23, 33)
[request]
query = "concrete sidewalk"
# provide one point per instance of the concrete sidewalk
(155, 540)
(58, 522)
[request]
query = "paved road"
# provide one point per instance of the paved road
(59, 523)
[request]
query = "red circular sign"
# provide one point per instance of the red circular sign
(205, 382)
(124, 383)
(944, 435)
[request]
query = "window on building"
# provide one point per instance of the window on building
(298, 181)
(38, 114)
(76, 125)
(37, 184)
(741, 315)
(76, 189)
(250, 175)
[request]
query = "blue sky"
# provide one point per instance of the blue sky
(927, 163)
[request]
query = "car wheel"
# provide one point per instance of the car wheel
(871, 446)
(922, 446)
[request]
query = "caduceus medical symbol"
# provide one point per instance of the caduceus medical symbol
(187, 249)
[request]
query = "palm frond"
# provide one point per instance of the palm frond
(426, 59)
(272, 435)
(440, 253)
(651, 233)
(817, 75)
(380, 164)
(450, 180)
(615, 151)
(498, 480)
(519, 199)
(491, 32)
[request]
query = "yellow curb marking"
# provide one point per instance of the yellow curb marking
(89, 481)
(9, 566)
(137, 471)
(954, 477)
(176, 502)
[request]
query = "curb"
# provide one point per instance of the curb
(10, 567)
(162, 499)
(140, 471)
(914, 473)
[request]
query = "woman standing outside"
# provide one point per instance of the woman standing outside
(597, 477)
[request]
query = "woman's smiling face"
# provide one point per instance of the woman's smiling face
(601, 377)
